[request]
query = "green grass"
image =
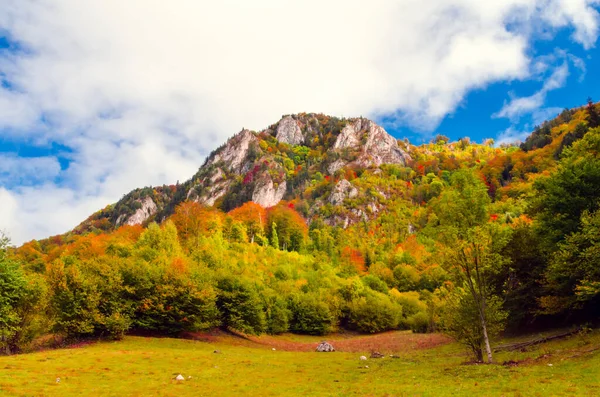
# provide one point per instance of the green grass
(139, 366)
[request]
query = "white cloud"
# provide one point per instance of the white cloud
(511, 136)
(27, 171)
(561, 13)
(519, 106)
(142, 90)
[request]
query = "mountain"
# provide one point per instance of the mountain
(277, 163)
(361, 232)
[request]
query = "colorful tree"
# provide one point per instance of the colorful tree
(253, 216)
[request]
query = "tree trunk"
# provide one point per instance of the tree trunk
(477, 352)
(486, 339)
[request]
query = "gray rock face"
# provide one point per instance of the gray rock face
(288, 131)
(219, 174)
(349, 137)
(337, 220)
(382, 148)
(358, 214)
(342, 190)
(141, 214)
(214, 192)
(335, 166)
(374, 144)
(325, 347)
(266, 194)
(235, 152)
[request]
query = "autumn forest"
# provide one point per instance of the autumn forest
(470, 239)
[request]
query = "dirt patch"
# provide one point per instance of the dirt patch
(386, 342)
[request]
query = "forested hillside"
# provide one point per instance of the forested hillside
(319, 223)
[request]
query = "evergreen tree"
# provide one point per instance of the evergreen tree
(592, 114)
(274, 237)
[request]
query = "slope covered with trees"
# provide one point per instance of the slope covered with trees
(467, 238)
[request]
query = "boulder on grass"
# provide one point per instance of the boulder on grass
(325, 347)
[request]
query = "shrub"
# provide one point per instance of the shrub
(86, 300)
(384, 273)
(375, 283)
(21, 299)
(278, 318)
(172, 304)
(406, 277)
(373, 313)
(409, 301)
(310, 315)
(418, 322)
(351, 288)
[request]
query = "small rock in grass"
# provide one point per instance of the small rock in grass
(57, 380)
(366, 366)
(362, 358)
(179, 377)
(273, 349)
(217, 352)
(549, 365)
(325, 347)
(377, 355)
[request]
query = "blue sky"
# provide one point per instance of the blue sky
(100, 97)
(475, 115)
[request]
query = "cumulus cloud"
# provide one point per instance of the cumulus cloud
(141, 90)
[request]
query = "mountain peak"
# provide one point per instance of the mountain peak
(284, 161)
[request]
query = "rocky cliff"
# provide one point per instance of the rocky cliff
(286, 161)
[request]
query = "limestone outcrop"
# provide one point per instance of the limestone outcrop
(267, 193)
(147, 209)
(288, 131)
(373, 144)
(342, 190)
(235, 152)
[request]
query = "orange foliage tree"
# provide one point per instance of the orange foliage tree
(292, 230)
(253, 216)
(192, 220)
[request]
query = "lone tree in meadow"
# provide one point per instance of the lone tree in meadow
(473, 241)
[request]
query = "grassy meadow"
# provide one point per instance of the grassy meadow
(425, 365)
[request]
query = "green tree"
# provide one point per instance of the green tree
(240, 306)
(521, 283)
(592, 114)
(310, 315)
(574, 188)
(574, 272)
(472, 246)
(274, 236)
(87, 298)
(373, 313)
(13, 290)
(461, 319)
